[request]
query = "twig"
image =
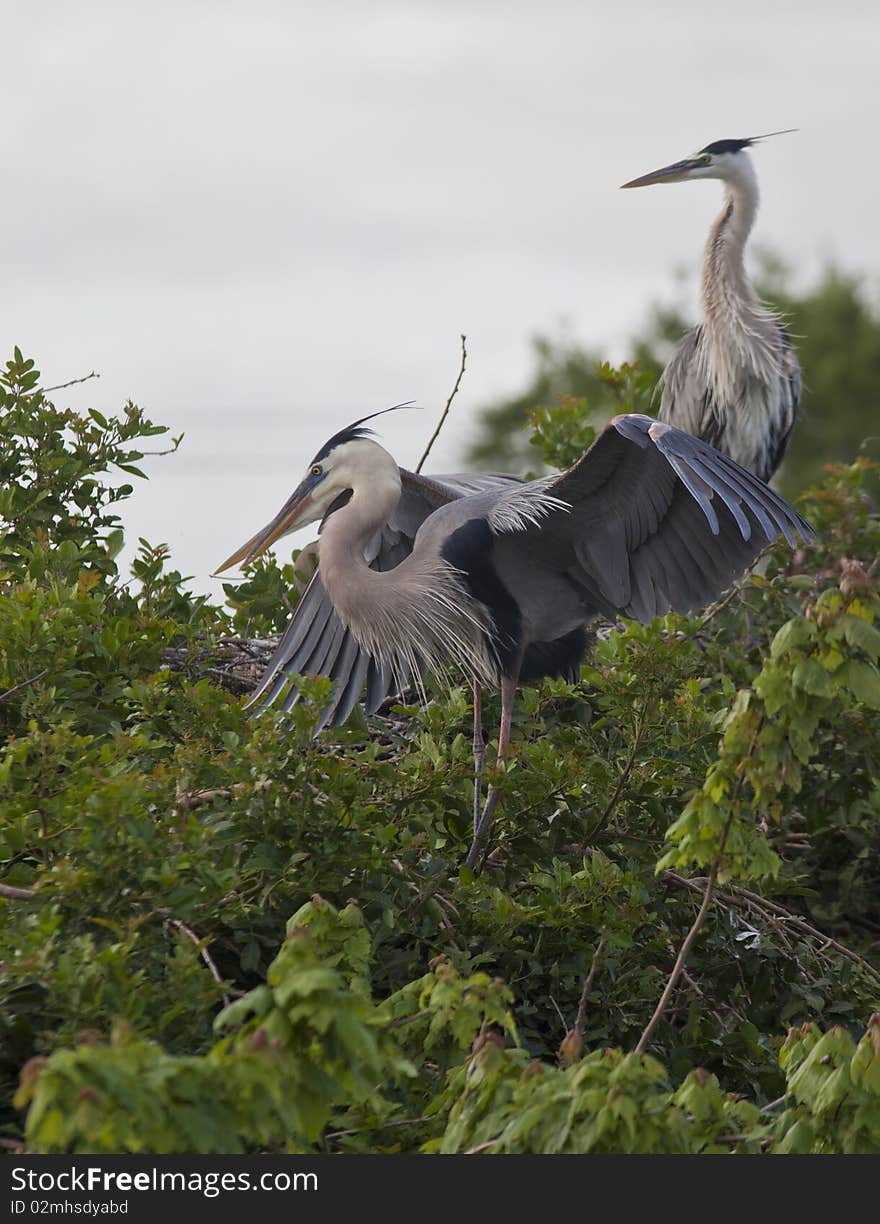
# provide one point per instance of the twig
(559, 1013)
(588, 982)
(700, 993)
(400, 1021)
(23, 684)
(720, 605)
(73, 382)
(624, 777)
(187, 800)
(358, 1130)
(445, 414)
(16, 894)
(736, 589)
(481, 1147)
(203, 952)
(773, 1104)
(685, 948)
(801, 924)
(736, 896)
(679, 962)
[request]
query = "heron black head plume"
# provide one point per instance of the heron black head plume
(736, 146)
(355, 430)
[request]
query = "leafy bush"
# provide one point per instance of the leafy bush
(155, 840)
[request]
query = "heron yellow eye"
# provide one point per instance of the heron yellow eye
(316, 470)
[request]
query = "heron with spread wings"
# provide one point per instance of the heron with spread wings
(496, 579)
(734, 380)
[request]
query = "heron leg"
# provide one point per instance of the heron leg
(479, 754)
(481, 832)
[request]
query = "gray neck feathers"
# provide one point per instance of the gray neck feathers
(740, 332)
(412, 618)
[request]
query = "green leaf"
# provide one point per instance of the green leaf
(863, 681)
(795, 632)
(863, 636)
(811, 677)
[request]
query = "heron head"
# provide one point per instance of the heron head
(723, 159)
(349, 464)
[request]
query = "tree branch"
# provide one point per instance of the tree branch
(624, 777)
(23, 684)
(445, 414)
(737, 896)
(16, 894)
(588, 982)
(73, 382)
(687, 944)
(203, 952)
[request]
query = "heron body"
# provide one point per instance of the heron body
(498, 580)
(734, 380)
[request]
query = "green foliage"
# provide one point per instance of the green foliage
(50, 468)
(310, 1042)
(562, 433)
(833, 1091)
(607, 1102)
(155, 839)
(822, 669)
(264, 601)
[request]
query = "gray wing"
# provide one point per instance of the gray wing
(660, 520)
(316, 643)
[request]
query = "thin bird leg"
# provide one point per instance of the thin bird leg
(508, 696)
(479, 755)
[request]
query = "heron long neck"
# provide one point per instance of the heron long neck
(739, 330)
(409, 617)
(350, 583)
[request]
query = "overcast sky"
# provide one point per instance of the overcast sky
(262, 220)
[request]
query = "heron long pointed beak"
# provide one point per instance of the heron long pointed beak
(292, 514)
(676, 173)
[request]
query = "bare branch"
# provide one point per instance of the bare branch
(73, 382)
(445, 413)
(23, 684)
(679, 961)
(16, 894)
(187, 800)
(203, 952)
(736, 897)
(687, 943)
(641, 725)
(588, 982)
(720, 605)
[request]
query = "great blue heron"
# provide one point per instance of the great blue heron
(733, 381)
(497, 579)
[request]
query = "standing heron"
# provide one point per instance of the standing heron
(733, 381)
(498, 579)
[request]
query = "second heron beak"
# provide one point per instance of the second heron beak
(676, 173)
(293, 513)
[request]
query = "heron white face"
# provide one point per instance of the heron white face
(710, 163)
(338, 473)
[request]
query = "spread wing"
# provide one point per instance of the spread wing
(660, 520)
(316, 643)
